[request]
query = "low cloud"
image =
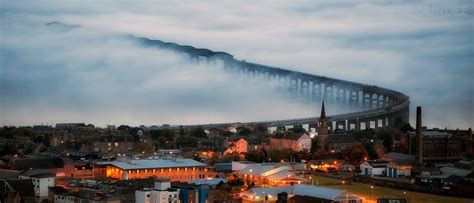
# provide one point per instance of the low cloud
(422, 48)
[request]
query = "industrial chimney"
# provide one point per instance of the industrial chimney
(419, 137)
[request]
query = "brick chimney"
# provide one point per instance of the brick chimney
(419, 137)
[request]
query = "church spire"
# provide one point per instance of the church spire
(323, 112)
(323, 131)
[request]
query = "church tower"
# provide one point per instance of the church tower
(322, 128)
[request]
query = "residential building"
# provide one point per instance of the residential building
(236, 145)
(292, 141)
(192, 193)
(161, 193)
(41, 182)
(339, 142)
(114, 144)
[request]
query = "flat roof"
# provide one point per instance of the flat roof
(153, 163)
(305, 190)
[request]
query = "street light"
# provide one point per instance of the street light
(371, 188)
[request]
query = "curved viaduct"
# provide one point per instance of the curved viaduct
(384, 107)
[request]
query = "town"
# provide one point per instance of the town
(236, 101)
(78, 162)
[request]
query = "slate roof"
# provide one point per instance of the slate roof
(288, 135)
(116, 138)
(397, 155)
(8, 174)
(435, 134)
(38, 173)
(235, 139)
(38, 163)
(342, 138)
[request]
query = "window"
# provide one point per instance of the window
(116, 144)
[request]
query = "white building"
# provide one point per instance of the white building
(374, 168)
(41, 182)
(161, 193)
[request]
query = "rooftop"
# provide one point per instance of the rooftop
(153, 163)
(38, 173)
(208, 181)
(397, 155)
(455, 171)
(304, 190)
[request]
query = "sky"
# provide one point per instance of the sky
(90, 74)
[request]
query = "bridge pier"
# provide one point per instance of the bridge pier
(316, 90)
(340, 125)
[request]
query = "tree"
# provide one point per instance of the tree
(255, 156)
(123, 127)
(244, 132)
(387, 142)
(314, 144)
(199, 133)
(370, 149)
(154, 134)
(226, 134)
(162, 142)
(356, 153)
(186, 141)
(278, 155)
(407, 128)
(302, 155)
(182, 132)
(298, 129)
(261, 128)
(145, 147)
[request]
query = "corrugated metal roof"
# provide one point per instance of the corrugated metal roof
(455, 171)
(153, 163)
